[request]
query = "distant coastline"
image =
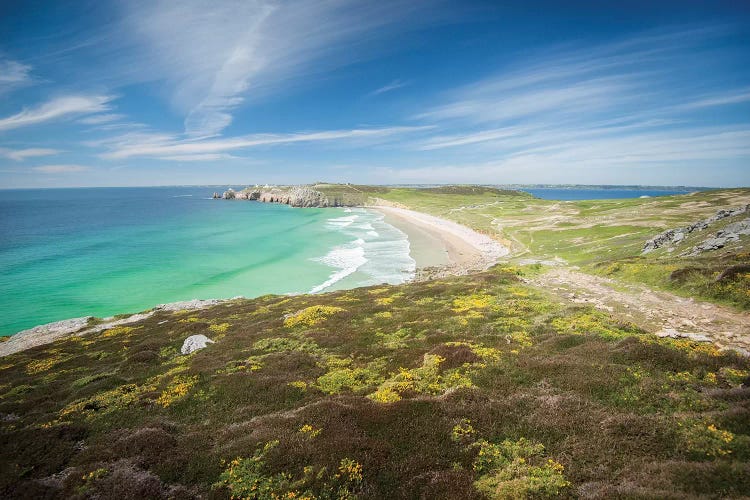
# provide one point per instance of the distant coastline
(350, 195)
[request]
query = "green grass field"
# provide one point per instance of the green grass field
(604, 236)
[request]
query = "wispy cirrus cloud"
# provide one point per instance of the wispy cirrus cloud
(55, 109)
(393, 85)
(216, 57)
(166, 146)
(13, 74)
(22, 154)
(640, 101)
(587, 82)
(101, 119)
(726, 98)
(202, 157)
(60, 169)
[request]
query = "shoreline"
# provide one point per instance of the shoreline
(442, 247)
(50, 332)
(439, 247)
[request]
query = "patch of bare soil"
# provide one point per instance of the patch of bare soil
(664, 313)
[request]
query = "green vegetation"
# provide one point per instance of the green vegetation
(723, 278)
(470, 387)
(605, 237)
(506, 470)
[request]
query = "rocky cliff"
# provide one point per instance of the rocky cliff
(296, 196)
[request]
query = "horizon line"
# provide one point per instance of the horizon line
(404, 185)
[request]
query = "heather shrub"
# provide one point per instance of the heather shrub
(311, 316)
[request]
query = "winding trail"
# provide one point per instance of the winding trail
(664, 313)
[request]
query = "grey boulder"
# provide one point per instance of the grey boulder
(195, 343)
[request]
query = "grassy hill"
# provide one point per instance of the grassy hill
(470, 387)
(604, 237)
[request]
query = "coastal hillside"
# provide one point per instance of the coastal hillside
(491, 385)
(478, 386)
(374, 250)
(608, 237)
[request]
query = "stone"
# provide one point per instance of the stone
(674, 236)
(195, 343)
(43, 334)
(736, 228)
(674, 334)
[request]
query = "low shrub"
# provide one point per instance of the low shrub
(311, 316)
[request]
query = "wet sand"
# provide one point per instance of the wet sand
(437, 242)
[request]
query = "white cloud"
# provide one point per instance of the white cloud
(100, 119)
(198, 157)
(13, 72)
(721, 99)
(60, 169)
(491, 135)
(22, 154)
(215, 56)
(620, 106)
(54, 109)
(395, 84)
(166, 146)
(645, 72)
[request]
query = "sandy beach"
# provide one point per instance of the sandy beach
(442, 246)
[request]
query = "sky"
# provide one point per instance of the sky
(233, 92)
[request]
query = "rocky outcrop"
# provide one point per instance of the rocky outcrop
(44, 334)
(195, 343)
(295, 196)
(675, 236)
(302, 196)
(674, 334)
(730, 233)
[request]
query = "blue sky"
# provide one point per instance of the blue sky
(137, 93)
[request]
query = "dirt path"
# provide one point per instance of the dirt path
(666, 314)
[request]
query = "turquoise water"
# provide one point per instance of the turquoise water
(74, 252)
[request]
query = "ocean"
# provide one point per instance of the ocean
(67, 253)
(601, 193)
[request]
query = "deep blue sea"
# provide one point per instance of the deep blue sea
(570, 194)
(67, 253)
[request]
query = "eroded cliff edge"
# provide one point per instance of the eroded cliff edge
(296, 196)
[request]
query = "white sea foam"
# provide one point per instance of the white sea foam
(342, 221)
(346, 259)
(379, 253)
